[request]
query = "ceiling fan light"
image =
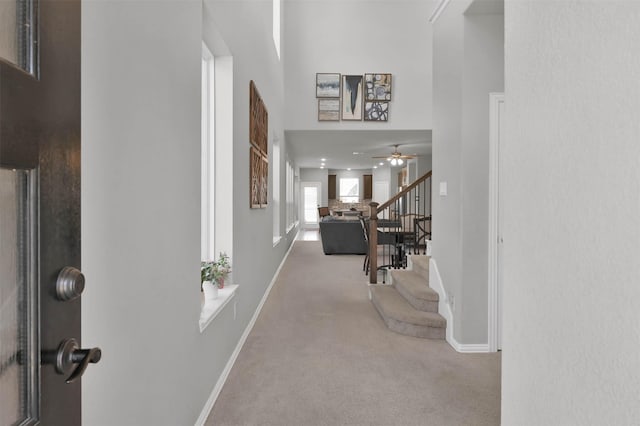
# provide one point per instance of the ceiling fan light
(400, 161)
(394, 161)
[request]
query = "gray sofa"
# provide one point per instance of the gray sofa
(342, 236)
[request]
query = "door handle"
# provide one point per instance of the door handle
(69, 353)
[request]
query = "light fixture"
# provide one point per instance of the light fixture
(323, 159)
(396, 162)
(381, 164)
(375, 167)
(349, 169)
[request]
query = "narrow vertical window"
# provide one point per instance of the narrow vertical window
(207, 199)
(349, 190)
(276, 26)
(276, 190)
(291, 202)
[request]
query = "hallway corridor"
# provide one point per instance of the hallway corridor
(319, 354)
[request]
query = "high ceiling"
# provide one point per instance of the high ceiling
(344, 149)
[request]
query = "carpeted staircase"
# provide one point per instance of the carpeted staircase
(409, 306)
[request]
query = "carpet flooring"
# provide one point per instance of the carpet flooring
(319, 354)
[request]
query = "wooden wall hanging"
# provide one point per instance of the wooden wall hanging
(259, 156)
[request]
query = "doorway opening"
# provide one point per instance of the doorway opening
(310, 196)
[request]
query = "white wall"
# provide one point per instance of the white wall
(572, 203)
(141, 203)
(358, 37)
(448, 51)
(384, 174)
(468, 65)
(483, 73)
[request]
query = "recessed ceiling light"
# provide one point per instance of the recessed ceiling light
(349, 168)
(322, 167)
(375, 167)
(381, 163)
(323, 159)
(355, 153)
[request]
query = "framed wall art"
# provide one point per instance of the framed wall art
(327, 85)
(258, 120)
(377, 87)
(258, 179)
(328, 109)
(352, 97)
(376, 111)
(258, 152)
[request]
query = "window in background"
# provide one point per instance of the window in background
(291, 202)
(310, 197)
(207, 198)
(276, 190)
(349, 190)
(276, 25)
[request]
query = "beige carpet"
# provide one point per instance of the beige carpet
(319, 354)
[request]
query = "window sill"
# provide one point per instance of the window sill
(276, 240)
(293, 225)
(213, 308)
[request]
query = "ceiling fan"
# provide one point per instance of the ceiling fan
(396, 158)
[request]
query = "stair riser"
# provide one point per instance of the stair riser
(419, 304)
(424, 273)
(420, 270)
(415, 330)
(407, 329)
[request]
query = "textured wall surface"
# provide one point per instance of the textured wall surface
(141, 102)
(468, 65)
(357, 37)
(572, 203)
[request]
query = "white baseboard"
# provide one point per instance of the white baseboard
(435, 282)
(206, 410)
(473, 348)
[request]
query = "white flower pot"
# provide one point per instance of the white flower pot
(210, 291)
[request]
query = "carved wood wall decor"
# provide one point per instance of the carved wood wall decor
(258, 152)
(258, 120)
(258, 171)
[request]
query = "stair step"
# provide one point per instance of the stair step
(420, 265)
(402, 318)
(416, 290)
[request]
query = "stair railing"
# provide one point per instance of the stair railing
(399, 227)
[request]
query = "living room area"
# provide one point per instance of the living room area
(569, 357)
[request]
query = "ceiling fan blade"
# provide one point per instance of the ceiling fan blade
(385, 156)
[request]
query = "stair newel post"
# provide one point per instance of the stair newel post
(373, 243)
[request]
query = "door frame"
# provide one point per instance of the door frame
(303, 224)
(496, 138)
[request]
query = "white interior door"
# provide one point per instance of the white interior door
(496, 241)
(380, 191)
(310, 196)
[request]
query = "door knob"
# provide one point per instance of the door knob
(69, 353)
(70, 283)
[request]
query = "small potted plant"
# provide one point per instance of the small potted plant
(207, 280)
(220, 269)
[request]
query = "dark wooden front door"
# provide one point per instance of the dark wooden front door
(40, 224)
